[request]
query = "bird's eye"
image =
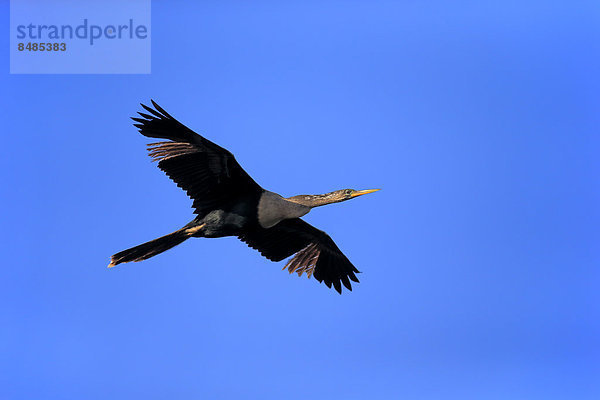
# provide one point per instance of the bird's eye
(348, 192)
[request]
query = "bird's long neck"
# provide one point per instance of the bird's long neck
(313, 200)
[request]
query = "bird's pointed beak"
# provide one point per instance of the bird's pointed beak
(361, 192)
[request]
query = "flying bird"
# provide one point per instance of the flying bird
(228, 202)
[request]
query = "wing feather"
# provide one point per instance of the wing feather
(208, 173)
(315, 253)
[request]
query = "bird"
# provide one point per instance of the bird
(228, 202)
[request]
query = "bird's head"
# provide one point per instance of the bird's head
(317, 200)
(347, 194)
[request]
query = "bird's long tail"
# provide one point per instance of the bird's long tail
(156, 246)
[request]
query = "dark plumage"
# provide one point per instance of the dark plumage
(228, 202)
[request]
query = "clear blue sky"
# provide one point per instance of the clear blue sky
(480, 258)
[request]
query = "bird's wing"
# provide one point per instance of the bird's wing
(207, 172)
(316, 253)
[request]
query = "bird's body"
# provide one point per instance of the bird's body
(228, 202)
(229, 220)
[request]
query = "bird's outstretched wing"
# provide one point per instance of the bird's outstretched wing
(207, 172)
(316, 253)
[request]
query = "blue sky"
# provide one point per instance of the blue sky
(479, 120)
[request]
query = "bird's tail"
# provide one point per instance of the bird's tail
(156, 246)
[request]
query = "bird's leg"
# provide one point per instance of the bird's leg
(194, 229)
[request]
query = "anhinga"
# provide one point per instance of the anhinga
(228, 202)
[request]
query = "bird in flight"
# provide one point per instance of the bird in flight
(228, 202)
